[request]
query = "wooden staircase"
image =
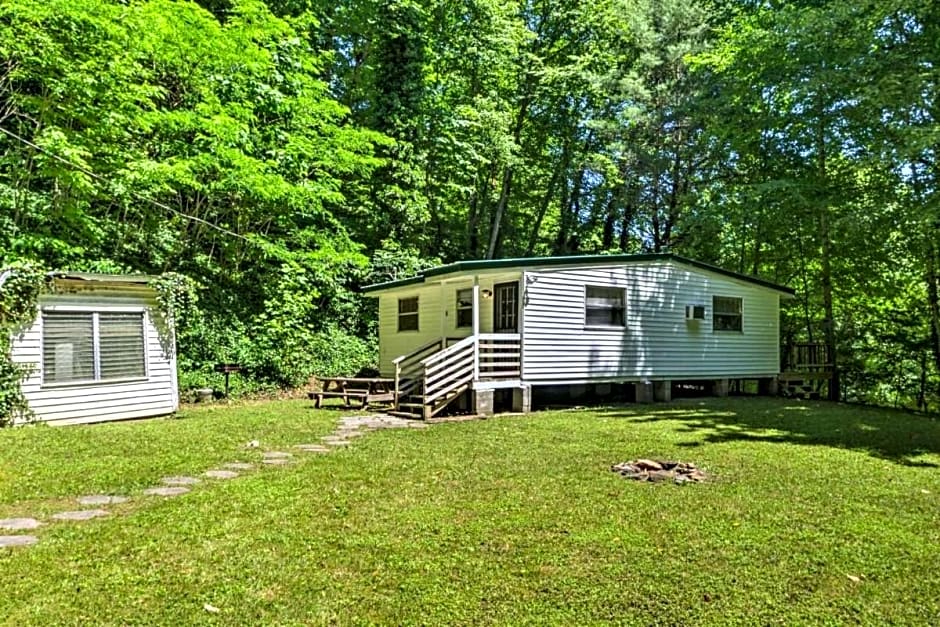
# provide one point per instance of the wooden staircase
(433, 376)
(805, 370)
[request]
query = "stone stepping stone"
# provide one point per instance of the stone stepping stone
(239, 466)
(276, 455)
(11, 541)
(19, 524)
(179, 480)
(349, 434)
(101, 499)
(336, 442)
(221, 474)
(166, 491)
(276, 461)
(313, 448)
(82, 514)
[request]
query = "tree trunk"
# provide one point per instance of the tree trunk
(498, 213)
(933, 302)
(543, 206)
(610, 219)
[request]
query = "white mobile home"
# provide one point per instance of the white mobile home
(649, 319)
(99, 349)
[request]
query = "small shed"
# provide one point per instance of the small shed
(99, 349)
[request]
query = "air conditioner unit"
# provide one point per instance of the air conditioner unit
(695, 312)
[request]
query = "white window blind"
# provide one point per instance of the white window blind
(121, 345)
(92, 346)
(68, 348)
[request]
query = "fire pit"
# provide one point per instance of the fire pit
(660, 470)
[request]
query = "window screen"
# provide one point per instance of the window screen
(92, 346)
(604, 306)
(121, 345)
(726, 313)
(408, 314)
(68, 347)
(464, 308)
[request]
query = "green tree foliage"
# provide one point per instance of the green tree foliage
(227, 126)
(296, 149)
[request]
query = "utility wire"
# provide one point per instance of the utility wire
(136, 195)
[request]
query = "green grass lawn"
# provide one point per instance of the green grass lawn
(513, 520)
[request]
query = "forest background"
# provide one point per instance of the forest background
(283, 153)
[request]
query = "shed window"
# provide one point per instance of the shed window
(464, 308)
(604, 306)
(92, 346)
(408, 314)
(726, 313)
(121, 345)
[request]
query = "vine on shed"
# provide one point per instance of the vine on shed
(19, 298)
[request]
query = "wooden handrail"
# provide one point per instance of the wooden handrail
(420, 349)
(450, 367)
(450, 350)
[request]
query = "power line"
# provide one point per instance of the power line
(136, 195)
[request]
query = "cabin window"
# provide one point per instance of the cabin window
(464, 308)
(92, 346)
(408, 314)
(121, 345)
(726, 313)
(604, 306)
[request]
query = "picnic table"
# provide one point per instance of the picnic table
(365, 389)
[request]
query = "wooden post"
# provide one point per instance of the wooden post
(397, 384)
(476, 328)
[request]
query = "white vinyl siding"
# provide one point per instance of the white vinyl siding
(437, 309)
(152, 394)
(657, 341)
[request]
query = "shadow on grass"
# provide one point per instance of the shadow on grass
(883, 433)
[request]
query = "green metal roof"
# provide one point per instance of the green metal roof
(574, 260)
(142, 279)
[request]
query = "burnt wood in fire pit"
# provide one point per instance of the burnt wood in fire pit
(660, 470)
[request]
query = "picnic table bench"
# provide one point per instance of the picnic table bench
(365, 389)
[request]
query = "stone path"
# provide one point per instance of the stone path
(19, 524)
(101, 499)
(179, 481)
(348, 429)
(81, 514)
(166, 491)
(17, 541)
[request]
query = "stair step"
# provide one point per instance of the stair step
(402, 414)
(415, 405)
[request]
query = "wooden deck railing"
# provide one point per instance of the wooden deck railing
(449, 369)
(439, 369)
(805, 357)
(500, 356)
